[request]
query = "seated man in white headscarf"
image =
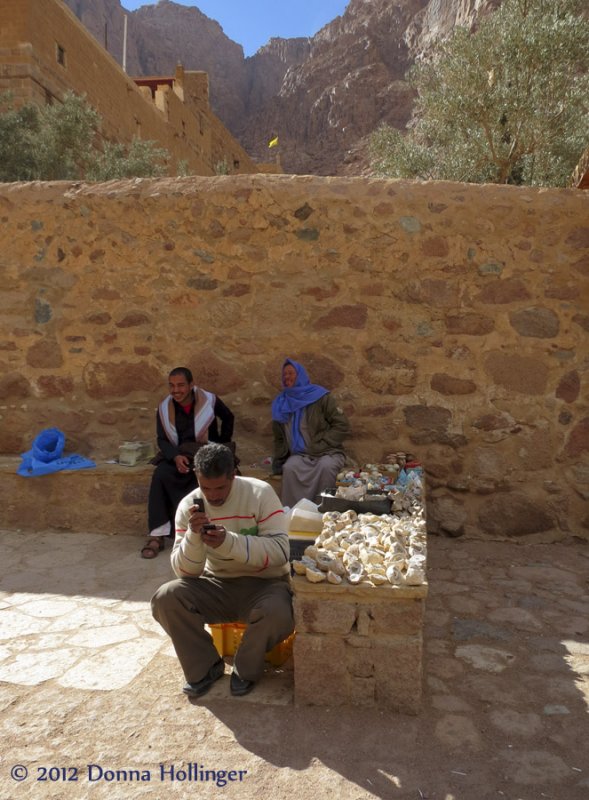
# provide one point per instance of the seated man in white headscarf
(186, 419)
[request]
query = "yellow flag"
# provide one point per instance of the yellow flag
(273, 142)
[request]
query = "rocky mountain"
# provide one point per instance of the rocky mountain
(322, 96)
(351, 79)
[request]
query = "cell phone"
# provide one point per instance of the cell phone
(197, 501)
(209, 527)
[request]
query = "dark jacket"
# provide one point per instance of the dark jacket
(185, 427)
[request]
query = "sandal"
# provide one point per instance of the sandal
(152, 547)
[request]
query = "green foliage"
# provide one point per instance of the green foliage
(66, 137)
(61, 142)
(18, 130)
(507, 104)
(222, 167)
(182, 168)
(141, 159)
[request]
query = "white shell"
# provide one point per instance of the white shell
(370, 556)
(355, 571)
(315, 575)
(394, 575)
(325, 560)
(370, 547)
(309, 562)
(331, 544)
(338, 567)
(415, 576)
(396, 560)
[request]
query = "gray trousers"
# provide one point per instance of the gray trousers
(307, 476)
(183, 607)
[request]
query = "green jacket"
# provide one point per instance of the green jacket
(326, 428)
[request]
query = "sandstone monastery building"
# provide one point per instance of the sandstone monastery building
(45, 50)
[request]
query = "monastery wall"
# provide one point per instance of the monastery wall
(45, 51)
(449, 320)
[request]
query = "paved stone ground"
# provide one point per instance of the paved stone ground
(87, 678)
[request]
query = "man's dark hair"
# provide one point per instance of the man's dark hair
(214, 461)
(182, 371)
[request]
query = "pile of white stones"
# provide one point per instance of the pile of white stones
(367, 548)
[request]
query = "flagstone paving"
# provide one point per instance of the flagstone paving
(91, 707)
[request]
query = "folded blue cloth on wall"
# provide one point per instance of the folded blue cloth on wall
(46, 456)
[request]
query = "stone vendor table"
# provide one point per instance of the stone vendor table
(358, 644)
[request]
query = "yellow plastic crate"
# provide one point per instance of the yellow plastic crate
(227, 638)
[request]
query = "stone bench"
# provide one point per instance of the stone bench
(107, 499)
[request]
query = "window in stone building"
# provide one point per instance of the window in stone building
(235, 163)
(200, 124)
(60, 54)
(183, 128)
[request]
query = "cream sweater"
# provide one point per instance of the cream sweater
(256, 543)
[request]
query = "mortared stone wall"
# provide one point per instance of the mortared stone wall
(450, 321)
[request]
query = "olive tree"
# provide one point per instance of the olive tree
(506, 104)
(18, 131)
(62, 141)
(140, 159)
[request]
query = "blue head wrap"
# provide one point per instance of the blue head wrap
(291, 402)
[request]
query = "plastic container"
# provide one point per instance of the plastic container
(305, 521)
(227, 638)
(132, 453)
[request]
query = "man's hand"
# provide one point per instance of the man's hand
(182, 464)
(213, 537)
(197, 519)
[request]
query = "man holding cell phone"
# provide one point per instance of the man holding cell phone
(231, 558)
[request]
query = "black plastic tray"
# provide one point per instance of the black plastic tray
(297, 547)
(328, 502)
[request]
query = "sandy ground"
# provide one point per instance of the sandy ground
(91, 707)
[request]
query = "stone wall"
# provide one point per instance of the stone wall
(449, 320)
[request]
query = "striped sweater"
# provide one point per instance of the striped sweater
(256, 543)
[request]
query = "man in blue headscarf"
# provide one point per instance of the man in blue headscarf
(308, 429)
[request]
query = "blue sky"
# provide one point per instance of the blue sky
(252, 23)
